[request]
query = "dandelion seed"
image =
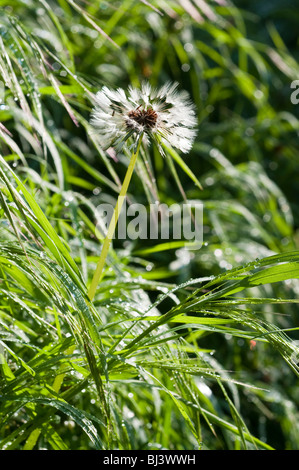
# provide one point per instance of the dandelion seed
(163, 115)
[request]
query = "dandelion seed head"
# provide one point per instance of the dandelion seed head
(142, 118)
(164, 115)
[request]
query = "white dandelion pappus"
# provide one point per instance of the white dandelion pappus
(164, 115)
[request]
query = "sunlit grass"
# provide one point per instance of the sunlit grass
(176, 342)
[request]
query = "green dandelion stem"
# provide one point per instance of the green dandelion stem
(112, 226)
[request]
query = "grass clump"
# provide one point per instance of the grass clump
(176, 348)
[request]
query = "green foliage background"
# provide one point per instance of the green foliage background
(180, 349)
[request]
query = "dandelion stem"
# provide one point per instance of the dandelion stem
(112, 226)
